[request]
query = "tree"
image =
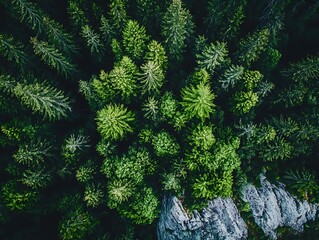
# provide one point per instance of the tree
(251, 47)
(33, 154)
(16, 199)
(77, 225)
(198, 101)
(212, 56)
(12, 49)
(36, 179)
(134, 39)
(156, 53)
(231, 76)
(165, 145)
(52, 57)
(77, 14)
(202, 137)
(305, 70)
(152, 77)
(93, 41)
(177, 26)
(114, 121)
(151, 108)
(44, 99)
(244, 101)
(118, 15)
(93, 195)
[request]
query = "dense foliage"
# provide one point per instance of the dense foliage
(108, 105)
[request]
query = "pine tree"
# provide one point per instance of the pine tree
(251, 47)
(305, 70)
(212, 56)
(114, 121)
(156, 53)
(52, 57)
(35, 179)
(134, 39)
(30, 13)
(13, 50)
(43, 99)
(198, 101)
(93, 41)
(118, 15)
(244, 101)
(231, 76)
(165, 145)
(177, 26)
(34, 153)
(77, 14)
(151, 77)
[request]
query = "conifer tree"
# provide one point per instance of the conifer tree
(212, 56)
(198, 101)
(44, 99)
(114, 121)
(118, 15)
(52, 57)
(12, 49)
(134, 39)
(93, 41)
(251, 47)
(177, 26)
(151, 77)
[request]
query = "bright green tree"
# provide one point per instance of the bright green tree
(114, 121)
(198, 101)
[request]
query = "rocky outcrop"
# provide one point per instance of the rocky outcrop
(272, 207)
(220, 220)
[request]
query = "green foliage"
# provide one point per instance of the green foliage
(168, 106)
(44, 99)
(12, 50)
(198, 101)
(15, 199)
(232, 76)
(251, 47)
(134, 39)
(151, 78)
(144, 208)
(86, 172)
(52, 57)
(303, 181)
(165, 145)
(93, 195)
(38, 178)
(212, 56)
(244, 101)
(114, 121)
(177, 25)
(92, 40)
(156, 53)
(150, 108)
(279, 149)
(211, 186)
(121, 81)
(303, 71)
(33, 154)
(118, 14)
(77, 225)
(77, 14)
(251, 79)
(202, 137)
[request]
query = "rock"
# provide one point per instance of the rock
(220, 220)
(272, 207)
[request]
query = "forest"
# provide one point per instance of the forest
(107, 106)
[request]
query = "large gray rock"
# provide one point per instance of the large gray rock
(272, 207)
(220, 220)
